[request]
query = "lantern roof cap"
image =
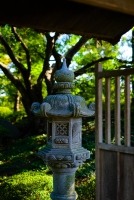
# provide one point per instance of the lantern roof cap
(63, 103)
(64, 74)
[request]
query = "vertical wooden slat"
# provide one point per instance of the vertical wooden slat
(107, 112)
(98, 128)
(98, 104)
(117, 111)
(127, 111)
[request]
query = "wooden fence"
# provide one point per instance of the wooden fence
(114, 136)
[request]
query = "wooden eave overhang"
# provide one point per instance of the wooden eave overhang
(122, 6)
(106, 19)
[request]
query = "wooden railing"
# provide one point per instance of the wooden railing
(103, 82)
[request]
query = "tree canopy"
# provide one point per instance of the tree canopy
(29, 58)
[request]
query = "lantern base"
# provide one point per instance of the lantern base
(64, 184)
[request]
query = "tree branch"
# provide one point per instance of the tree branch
(86, 67)
(72, 51)
(48, 53)
(12, 57)
(17, 83)
(19, 39)
(56, 55)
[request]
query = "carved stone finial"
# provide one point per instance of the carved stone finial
(64, 74)
(64, 79)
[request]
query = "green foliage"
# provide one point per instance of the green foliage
(22, 60)
(30, 185)
(86, 188)
(93, 50)
(23, 174)
(87, 82)
(35, 44)
(30, 51)
(20, 155)
(65, 42)
(33, 40)
(85, 175)
(7, 92)
(8, 114)
(17, 116)
(5, 112)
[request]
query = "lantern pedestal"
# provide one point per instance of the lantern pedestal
(64, 184)
(63, 162)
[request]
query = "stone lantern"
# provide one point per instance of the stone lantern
(64, 152)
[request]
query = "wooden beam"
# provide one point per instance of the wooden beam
(123, 6)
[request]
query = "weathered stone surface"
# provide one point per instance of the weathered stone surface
(64, 152)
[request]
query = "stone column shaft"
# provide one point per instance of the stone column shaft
(64, 184)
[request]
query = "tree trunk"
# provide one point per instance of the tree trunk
(17, 102)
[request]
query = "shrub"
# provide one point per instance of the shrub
(29, 185)
(85, 187)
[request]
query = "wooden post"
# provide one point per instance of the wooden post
(98, 126)
(117, 111)
(127, 111)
